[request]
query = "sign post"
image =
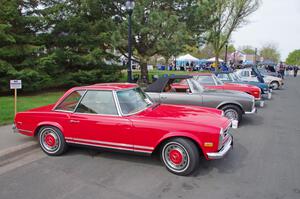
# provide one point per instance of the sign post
(15, 85)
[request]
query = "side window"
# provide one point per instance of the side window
(71, 101)
(98, 102)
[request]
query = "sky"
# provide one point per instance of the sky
(276, 21)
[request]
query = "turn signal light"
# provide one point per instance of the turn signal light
(208, 144)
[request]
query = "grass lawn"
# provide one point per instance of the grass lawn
(36, 100)
(25, 103)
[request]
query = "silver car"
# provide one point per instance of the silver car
(190, 92)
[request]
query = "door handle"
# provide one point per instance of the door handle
(74, 121)
(163, 97)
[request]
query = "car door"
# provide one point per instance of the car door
(97, 122)
(181, 98)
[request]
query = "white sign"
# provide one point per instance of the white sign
(15, 84)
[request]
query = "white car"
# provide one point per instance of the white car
(248, 75)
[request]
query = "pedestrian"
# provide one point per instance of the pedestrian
(295, 71)
(281, 70)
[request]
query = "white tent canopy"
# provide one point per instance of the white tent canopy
(187, 58)
(213, 59)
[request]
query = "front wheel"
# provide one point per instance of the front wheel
(180, 156)
(275, 85)
(52, 141)
(232, 112)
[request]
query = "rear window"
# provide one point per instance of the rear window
(71, 101)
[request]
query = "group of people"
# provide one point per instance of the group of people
(282, 69)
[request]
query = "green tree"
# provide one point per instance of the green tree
(247, 50)
(294, 58)
(19, 46)
(270, 52)
(159, 27)
(77, 38)
(230, 15)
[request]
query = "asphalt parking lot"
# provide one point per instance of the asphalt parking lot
(264, 163)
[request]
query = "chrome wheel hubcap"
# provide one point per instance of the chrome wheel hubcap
(49, 140)
(175, 157)
(231, 114)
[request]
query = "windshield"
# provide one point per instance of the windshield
(205, 80)
(195, 86)
(133, 100)
(218, 81)
(235, 77)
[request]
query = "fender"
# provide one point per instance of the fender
(48, 123)
(231, 102)
(180, 134)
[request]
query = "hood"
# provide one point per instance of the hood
(186, 114)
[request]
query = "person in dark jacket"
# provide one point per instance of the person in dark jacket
(295, 71)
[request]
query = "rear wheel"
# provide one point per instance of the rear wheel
(52, 141)
(232, 112)
(180, 156)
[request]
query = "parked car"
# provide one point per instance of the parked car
(190, 92)
(230, 77)
(264, 71)
(210, 81)
(248, 74)
(120, 116)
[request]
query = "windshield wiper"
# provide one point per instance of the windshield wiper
(155, 106)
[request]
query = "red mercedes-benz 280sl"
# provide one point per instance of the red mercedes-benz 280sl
(120, 116)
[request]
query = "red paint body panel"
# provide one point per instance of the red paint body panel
(141, 132)
(250, 89)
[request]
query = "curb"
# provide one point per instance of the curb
(17, 150)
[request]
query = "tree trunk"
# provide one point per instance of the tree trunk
(144, 71)
(217, 59)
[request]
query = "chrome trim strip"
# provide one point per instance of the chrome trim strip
(220, 154)
(111, 143)
(101, 142)
(109, 147)
(143, 147)
(117, 103)
(27, 131)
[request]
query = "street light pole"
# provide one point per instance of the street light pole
(226, 48)
(255, 56)
(129, 8)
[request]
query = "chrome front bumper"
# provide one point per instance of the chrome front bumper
(220, 154)
(254, 110)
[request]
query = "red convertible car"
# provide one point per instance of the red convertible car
(120, 116)
(210, 81)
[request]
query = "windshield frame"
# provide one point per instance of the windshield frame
(191, 81)
(115, 93)
(235, 77)
(218, 82)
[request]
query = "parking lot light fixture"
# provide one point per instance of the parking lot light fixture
(129, 5)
